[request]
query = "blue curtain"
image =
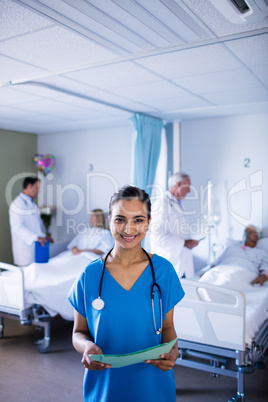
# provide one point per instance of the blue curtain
(147, 135)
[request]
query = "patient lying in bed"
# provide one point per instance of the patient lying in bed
(240, 267)
(96, 239)
(48, 284)
(245, 255)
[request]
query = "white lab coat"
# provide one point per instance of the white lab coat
(168, 231)
(26, 227)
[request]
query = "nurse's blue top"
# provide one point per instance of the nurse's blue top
(126, 325)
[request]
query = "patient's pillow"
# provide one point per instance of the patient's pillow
(263, 243)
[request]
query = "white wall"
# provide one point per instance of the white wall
(232, 151)
(89, 168)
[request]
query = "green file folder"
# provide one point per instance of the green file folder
(117, 361)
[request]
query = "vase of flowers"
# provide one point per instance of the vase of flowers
(46, 214)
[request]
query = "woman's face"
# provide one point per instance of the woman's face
(129, 222)
(93, 219)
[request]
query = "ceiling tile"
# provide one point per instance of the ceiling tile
(54, 108)
(184, 102)
(118, 100)
(13, 113)
(54, 49)
(84, 125)
(251, 51)
(148, 91)
(16, 20)
(19, 126)
(14, 70)
(67, 84)
(219, 82)
(11, 96)
(261, 72)
(226, 110)
(188, 62)
(87, 107)
(233, 97)
(114, 75)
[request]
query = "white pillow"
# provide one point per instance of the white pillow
(263, 243)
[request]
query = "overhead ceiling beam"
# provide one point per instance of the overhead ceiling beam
(143, 55)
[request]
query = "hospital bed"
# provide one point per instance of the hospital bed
(36, 294)
(222, 331)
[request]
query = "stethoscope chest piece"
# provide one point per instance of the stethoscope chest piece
(98, 304)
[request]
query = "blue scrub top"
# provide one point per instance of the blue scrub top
(125, 325)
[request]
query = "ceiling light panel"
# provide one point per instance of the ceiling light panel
(108, 27)
(161, 22)
(139, 21)
(167, 16)
(85, 19)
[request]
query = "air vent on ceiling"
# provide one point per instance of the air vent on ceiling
(241, 5)
(242, 11)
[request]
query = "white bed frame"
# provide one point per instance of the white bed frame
(211, 335)
(13, 305)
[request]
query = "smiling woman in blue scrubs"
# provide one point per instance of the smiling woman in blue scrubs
(122, 321)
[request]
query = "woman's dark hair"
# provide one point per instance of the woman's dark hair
(129, 193)
(29, 180)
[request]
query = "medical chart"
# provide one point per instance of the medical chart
(117, 361)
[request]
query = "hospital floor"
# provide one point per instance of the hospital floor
(28, 376)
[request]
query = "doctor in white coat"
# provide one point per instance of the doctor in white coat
(170, 231)
(25, 223)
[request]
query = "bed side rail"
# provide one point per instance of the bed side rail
(259, 345)
(11, 289)
(211, 315)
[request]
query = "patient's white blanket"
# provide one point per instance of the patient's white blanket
(238, 278)
(48, 284)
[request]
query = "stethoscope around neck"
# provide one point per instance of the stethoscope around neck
(98, 304)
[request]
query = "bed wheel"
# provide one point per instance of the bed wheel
(238, 398)
(43, 345)
(249, 369)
